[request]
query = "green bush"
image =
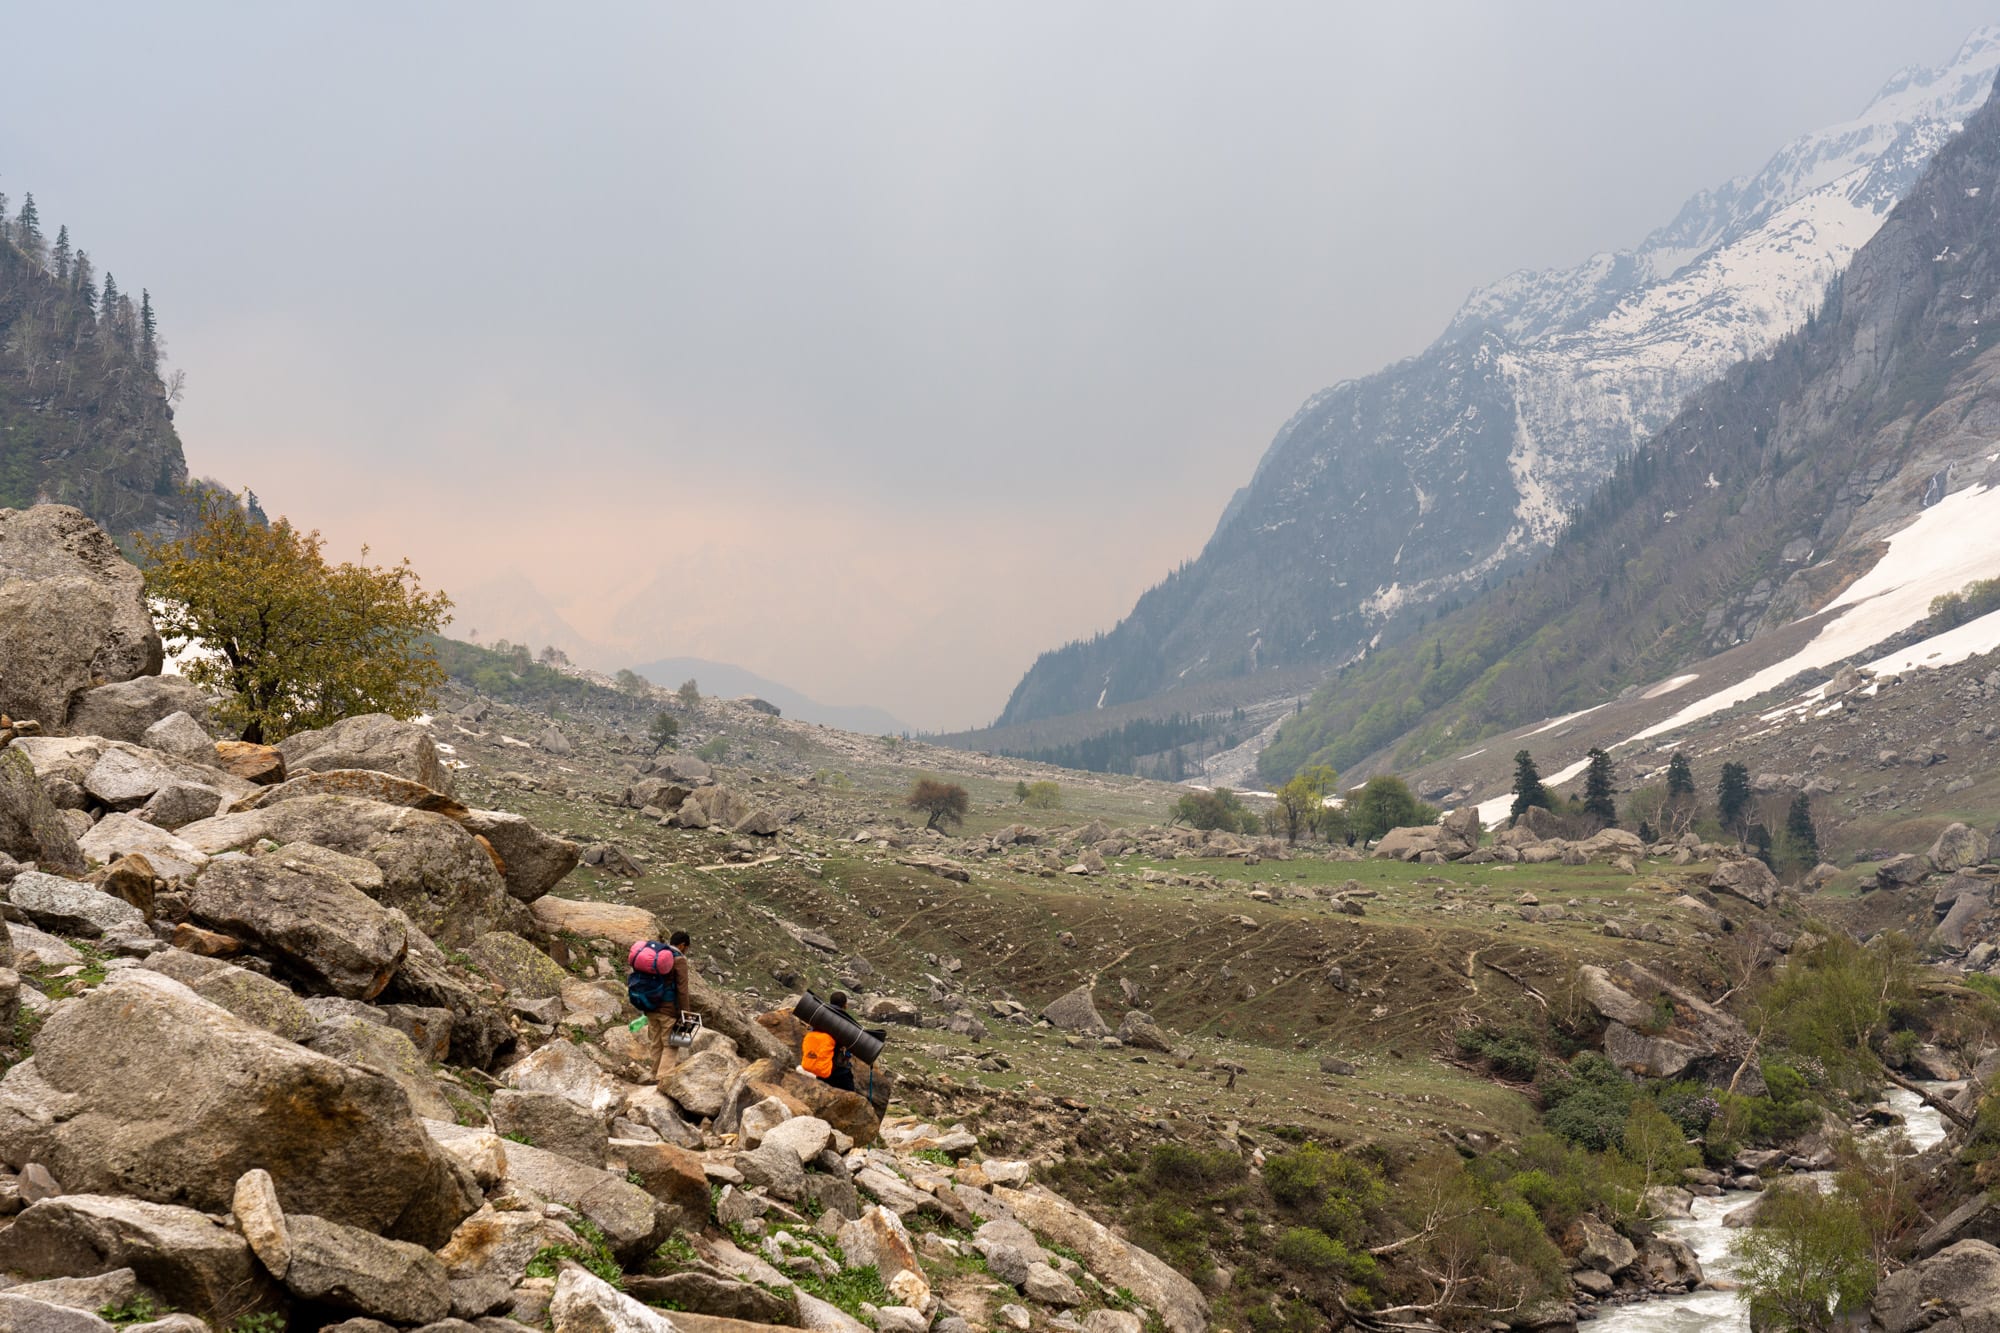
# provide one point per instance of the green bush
(1175, 1168)
(1309, 1250)
(1330, 1189)
(1514, 1055)
(1587, 1102)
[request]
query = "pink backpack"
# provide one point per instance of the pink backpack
(652, 958)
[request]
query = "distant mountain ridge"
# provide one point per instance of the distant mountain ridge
(1772, 496)
(1394, 497)
(730, 682)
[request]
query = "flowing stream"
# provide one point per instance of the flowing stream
(1703, 1311)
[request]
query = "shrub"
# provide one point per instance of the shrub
(1806, 1263)
(1331, 1189)
(1175, 1168)
(1514, 1055)
(1309, 1250)
(1587, 1102)
(1043, 796)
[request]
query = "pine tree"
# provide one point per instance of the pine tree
(1801, 838)
(149, 332)
(1528, 788)
(1760, 844)
(107, 310)
(28, 228)
(84, 291)
(1599, 802)
(1732, 797)
(1680, 777)
(60, 254)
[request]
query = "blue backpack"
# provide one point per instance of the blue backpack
(649, 987)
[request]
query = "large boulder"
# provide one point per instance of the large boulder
(123, 711)
(1956, 1290)
(594, 921)
(432, 869)
(480, 1029)
(532, 862)
(142, 1087)
(31, 828)
(352, 1269)
(493, 1243)
(1956, 848)
(1458, 832)
(849, 1113)
(565, 1069)
(72, 613)
(372, 740)
(192, 1261)
(700, 1084)
(1177, 1301)
(367, 783)
(1746, 878)
(312, 924)
(520, 968)
(1407, 844)
(1660, 1030)
(113, 836)
(355, 1039)
(68, 907)
(182, 736)
(633, 1222)
(586, 1304)
(877, 1239)
(552, 1121)
(1077, 1012)
(250, 996)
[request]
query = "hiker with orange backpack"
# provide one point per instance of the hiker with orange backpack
(825, 1058)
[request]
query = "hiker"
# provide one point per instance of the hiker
(825, 1058)
(658, 987)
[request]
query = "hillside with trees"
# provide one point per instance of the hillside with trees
(86, 417)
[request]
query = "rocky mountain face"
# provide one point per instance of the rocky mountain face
(84, 417)
(1770, 493)
(1408, 492)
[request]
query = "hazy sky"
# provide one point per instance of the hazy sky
(874, 347)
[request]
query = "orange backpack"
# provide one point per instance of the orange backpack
(816, 1054)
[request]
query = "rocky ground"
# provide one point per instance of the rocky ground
(335, 1030)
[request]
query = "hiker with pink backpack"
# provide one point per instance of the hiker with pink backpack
(660, 987)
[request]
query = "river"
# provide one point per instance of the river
(1706, 1311)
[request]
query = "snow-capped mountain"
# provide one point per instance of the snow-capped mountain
(1385, 496)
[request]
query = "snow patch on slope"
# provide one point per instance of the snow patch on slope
(1944, 548)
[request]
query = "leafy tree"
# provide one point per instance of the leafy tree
(1302, 801)
(1218, 809)
(630, 682)
(1528, 788)
(1732, 797)
(1599, 802)
(689, 692)
(1043, 795)
(298, 643)
(664, 728)
(1801, 838)
(1655, 1144)
(1806, 1264)
(940, 802)
(1387, 802)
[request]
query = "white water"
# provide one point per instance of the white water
(1704, 1311)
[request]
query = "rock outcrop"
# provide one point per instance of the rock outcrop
(72, 614)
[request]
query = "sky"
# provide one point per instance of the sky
(874, 347)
